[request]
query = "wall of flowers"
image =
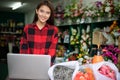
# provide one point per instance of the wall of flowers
(76, 12)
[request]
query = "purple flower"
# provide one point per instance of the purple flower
(98, 4)
(107, 53)
(111, 52)
(114, 59)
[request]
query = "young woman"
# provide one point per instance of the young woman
(41, 36)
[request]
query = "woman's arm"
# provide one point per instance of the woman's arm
(54, 41)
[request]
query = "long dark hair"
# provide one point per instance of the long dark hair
(49, 4)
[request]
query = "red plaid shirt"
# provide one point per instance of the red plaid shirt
(36, 41)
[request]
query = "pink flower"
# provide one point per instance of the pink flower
(111, 52)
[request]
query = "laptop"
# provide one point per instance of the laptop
(28, 66)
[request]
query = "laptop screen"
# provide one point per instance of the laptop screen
(28, 66)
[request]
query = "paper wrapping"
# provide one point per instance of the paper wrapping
(98, 38)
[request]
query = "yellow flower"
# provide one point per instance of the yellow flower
(79, 56)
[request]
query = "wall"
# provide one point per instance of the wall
(29, 17)
(7, 17)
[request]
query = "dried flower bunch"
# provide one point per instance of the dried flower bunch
(62, 73)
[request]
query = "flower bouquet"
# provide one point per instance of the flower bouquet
(110, 52)
(84, 73)
(107, 71)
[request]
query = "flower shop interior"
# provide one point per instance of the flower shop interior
(89, 32)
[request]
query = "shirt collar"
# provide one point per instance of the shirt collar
(45, 27)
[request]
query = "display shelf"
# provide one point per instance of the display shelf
(81, 35)
(7, 32)
(11, 29)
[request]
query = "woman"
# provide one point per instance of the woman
(41, 36)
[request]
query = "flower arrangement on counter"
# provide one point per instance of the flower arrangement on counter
(110, 52)
(82, 57)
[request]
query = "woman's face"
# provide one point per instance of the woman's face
(43, 13)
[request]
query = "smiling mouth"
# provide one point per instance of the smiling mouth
(42, 18)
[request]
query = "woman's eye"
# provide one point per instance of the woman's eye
(41, 11)
(48, 12)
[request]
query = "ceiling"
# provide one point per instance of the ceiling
(28, 5)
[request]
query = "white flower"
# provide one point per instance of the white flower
(80, 59)
(84, 46)
(74, 31)
(87, 36)
(107, 9)
(108, 4)
(89, 42)
(88, 29)
(86, 57)
(83, 31)
(81, 41)
(71, 38)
